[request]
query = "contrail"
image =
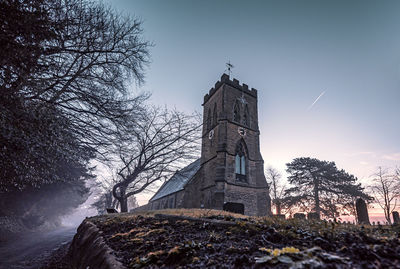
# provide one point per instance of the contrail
(316, 100)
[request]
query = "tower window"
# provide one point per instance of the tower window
(246, 119)
(236, 112)
(240, 163)
(215, 115)
(209, 120)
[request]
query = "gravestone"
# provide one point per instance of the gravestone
(234, 207)
(299, 216)
(362, 212)
(396, 218)
(312, 216)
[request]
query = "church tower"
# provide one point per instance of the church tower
(231, 175)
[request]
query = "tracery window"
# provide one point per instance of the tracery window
(240, 162)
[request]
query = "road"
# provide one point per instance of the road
(33, 250)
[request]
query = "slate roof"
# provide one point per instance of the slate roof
(178, 181)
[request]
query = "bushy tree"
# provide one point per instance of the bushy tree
(66, 67)
(38, 147)
(321, 187)
(25, 27)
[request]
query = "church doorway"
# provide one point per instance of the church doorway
(234, 207)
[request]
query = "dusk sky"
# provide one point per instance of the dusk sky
(345, 52)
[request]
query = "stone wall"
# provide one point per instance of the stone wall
(89, 250)
(255, 200)
(174, 200)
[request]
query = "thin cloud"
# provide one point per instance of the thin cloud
(316, 100)
(392, 157)
(361, 153)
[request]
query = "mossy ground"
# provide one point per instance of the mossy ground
(147, 240)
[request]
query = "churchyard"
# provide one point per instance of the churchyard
(199, 238)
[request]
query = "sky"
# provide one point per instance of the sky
(327, 72)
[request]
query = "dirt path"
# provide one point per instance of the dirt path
(33, 250)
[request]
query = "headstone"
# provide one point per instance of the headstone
(111, 210)
(312, 216)
(299, 216)
(234, 207)
(362, 212)
(396, 218)
(279, 216)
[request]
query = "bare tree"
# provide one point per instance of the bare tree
(385, 189)
(104, 196)
(103, 189)
(161, 142)
(86, 68)
(65, 83)
(96, 54)
(277, 188)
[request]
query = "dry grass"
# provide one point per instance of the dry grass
(191, 212)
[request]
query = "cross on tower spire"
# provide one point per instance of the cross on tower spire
(229, 67)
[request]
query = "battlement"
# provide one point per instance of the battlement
(233, 83)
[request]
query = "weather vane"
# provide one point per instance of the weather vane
(229, 67)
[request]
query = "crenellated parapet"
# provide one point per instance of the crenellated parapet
(233, 83)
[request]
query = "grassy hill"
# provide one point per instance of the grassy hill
(199, 238)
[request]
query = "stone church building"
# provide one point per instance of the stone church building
(230, 172)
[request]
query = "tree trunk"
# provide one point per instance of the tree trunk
(387, 216)
(316, 197)
(278, 208)
(124, 204)
(109, 198)
(121, 196)
(124, 200)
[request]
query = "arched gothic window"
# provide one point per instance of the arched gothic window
(209, 120)
(215, 115)
(246, 117)
(240, 162)
(236, 112)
